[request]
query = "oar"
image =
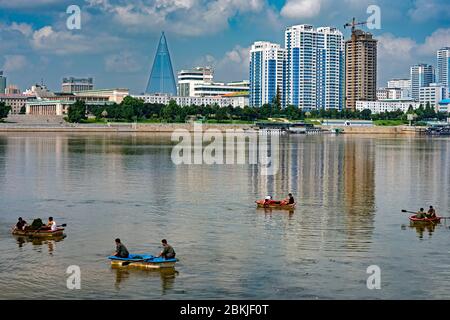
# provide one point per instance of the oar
(416, 213)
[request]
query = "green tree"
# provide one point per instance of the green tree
(170, 112)
(77, 112)
(366, 114)
(222, 114)
(4, 110)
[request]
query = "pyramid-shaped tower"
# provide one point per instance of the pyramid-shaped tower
(161, 77)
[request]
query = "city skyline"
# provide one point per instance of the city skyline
(38, 44)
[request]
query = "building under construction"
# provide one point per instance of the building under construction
(361, 67)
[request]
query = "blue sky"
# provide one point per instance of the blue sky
(118, 38)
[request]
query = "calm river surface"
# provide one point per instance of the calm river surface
(350, 191)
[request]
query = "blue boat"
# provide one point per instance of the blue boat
(144, 261)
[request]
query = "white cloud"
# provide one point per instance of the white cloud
(184, 17)
(59, 42)
(14, 63)
(391, 47)
(425, 10)
(24, 28)
(397, 54)
(26, 3)
(122, 62)
(234, 65)
(438, 39)
(299, 9)
(63, 42)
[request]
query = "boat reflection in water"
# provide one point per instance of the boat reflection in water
(421, 228)
(167, 276)
(50, 242)
(270, 211)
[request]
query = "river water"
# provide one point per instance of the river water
(350, 192)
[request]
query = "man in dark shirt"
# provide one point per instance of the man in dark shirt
(431, 213)
(21, 224)
(289, 199)
(121, 250)
(168, 251)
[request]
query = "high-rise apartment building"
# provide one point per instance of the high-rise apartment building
(267, 62)
(443, 67)
(422, 75)
(2, 83)
(361, 68)
(314, 75)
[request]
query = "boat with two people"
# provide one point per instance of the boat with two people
(122, 258)
(425, 217)
(285, 204)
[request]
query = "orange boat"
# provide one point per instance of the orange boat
(414, 218)
(273, 204)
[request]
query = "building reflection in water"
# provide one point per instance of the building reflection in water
(333, 180)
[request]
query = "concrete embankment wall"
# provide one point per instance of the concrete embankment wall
(157, 127)
(170, 127)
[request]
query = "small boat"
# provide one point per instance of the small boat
(39, 233)
(144, 261)
(426, 220)
(275, 204)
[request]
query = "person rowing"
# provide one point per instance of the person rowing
(121, 250)
(431, 214)
(267, 200)
(51, 225)
(421, 214)
(21, 224)
(168, 251)
(290, 199)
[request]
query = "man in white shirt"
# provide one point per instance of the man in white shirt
(51, 224)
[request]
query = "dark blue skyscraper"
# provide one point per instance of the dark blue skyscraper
(161, 77)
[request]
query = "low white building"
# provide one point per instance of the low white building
(57, 107)
(390, 94)
(222, 101)
(387, 105)
(114, 95)
(199, 82)
(403, 84)
(432, 94)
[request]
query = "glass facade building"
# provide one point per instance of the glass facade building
(267, 63)
(161, 78)
(422, 75)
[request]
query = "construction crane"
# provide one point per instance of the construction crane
(353, 24)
